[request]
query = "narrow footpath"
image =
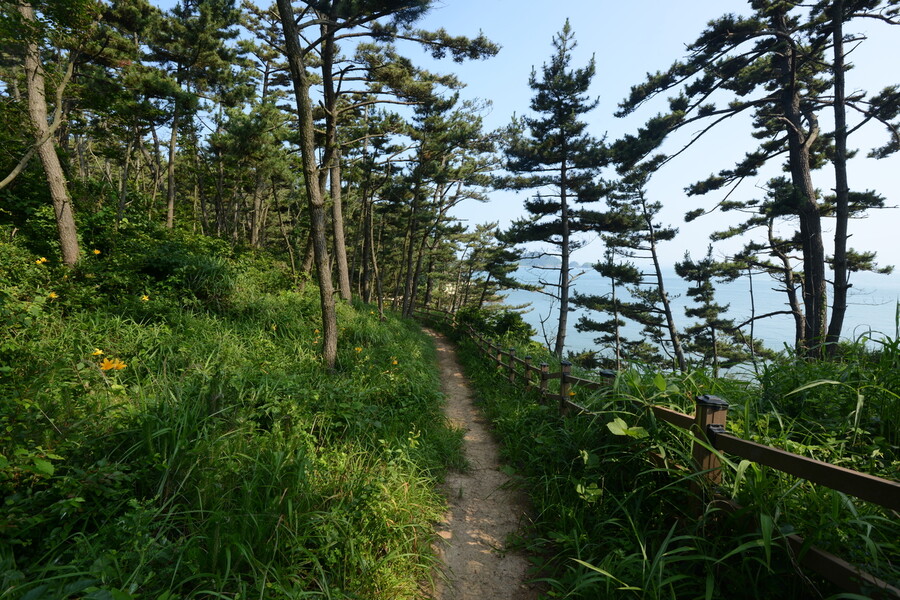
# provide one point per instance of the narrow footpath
(484, 508)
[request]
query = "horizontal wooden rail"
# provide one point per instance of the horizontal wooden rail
(839, 571)
(587, 383)
(864, 486)
(675, 418)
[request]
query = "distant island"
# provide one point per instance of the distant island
(535, 259)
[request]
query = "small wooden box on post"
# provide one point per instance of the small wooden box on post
(565, 386)
(709, 419)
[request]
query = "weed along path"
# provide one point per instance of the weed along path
(484, 509)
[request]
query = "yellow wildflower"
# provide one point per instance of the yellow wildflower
(96, 251)
(571, 393)
(40, 261)
(316, 332)
(97, 352)
(145, 298)
(394, 362)
(53, 295)
(358, 349)
(114, 364)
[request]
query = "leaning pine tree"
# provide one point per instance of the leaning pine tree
(552, 155)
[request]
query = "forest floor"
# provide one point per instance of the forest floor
(485, 507)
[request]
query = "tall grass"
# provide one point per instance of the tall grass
(610, 522)
(221, 461)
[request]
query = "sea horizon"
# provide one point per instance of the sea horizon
(871, 307)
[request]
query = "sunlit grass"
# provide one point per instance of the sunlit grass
(611, 523)
(223, 460)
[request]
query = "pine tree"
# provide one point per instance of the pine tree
(33, 32)
(553, 151)
(619, 274)
(774, 63)
(191, 40)
(710, 337)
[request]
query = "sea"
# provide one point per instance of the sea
(872, 307)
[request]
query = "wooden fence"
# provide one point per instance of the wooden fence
(707, 426)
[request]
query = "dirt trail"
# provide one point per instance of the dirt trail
(483, 509)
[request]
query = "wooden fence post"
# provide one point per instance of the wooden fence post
(528, 372)
(545, 371)
(512, 365)
(565, 387)
(711, 413)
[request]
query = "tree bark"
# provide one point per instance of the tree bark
(316, 202)
(842, 188)
(56, 179)
(790, 288)
(564, 267)
(409, 261)
(170, 198)
(799, 142)
(332, 161)
(663, 295)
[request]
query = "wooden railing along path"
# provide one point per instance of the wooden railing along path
(707, 426)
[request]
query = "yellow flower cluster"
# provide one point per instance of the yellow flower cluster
(53, 295)
(96, 251)
(40, 261)
(358, 349)
(112, 365)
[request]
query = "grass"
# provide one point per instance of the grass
(222, 461)
(610, 523)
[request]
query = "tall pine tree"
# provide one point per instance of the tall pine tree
(553, 155)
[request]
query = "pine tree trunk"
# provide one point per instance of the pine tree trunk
(123, 185)
(337, 223)
(170, 198)
(56, 179)
(799, 143)
(332, 162)
(564, 267)
(842, 187)
(663, 295)
(313, 190)
(409, 263)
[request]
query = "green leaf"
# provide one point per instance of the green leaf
(813, 384)
(43, 466)
(622, 584)
(739, 476)
(617, 427)
(660, 382)
(620, 427)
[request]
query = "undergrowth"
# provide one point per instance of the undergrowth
(613, 522)
(167, 431)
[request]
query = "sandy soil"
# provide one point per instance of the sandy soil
(484, 508)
